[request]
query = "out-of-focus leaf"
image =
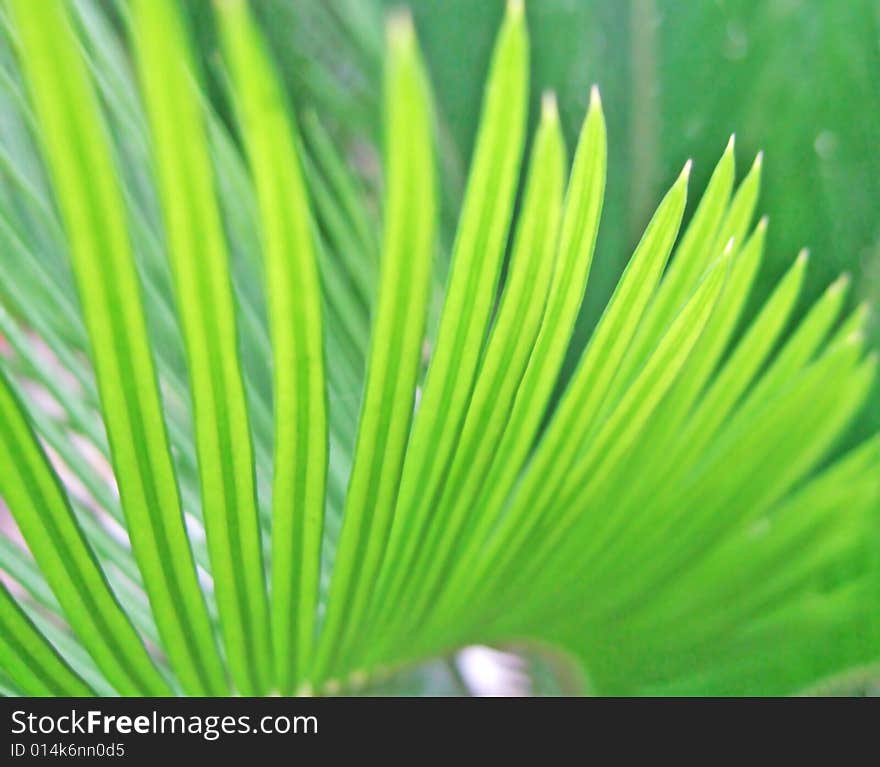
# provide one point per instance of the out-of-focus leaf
(797, 80)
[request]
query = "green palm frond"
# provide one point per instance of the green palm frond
(255, 440)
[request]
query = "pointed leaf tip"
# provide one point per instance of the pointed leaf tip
(855, 338)
(515, 8)
(686, 170)
(400, 27)
(861, 313)
(763, 223)
(595, 96)
(549, 106)
(759, 159)
(803, 256)
(840, 284)
(731, 143)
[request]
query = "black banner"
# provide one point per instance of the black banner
(260, 729)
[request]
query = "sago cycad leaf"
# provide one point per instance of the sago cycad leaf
(352, 459)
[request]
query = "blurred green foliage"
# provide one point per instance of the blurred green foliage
(793, 78)
(796, 78)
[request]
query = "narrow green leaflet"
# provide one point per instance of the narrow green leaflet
(688, 263)
(200, 266)
(584, 396)
(742, 206)
(724, 498)
(294, 296)
(124, 365)
(643, 505)
(577, 239)
(34, 665)
(396, 345)
(610, 444)
(628, 498)
(43, 514)
(505, 359)
(476, 262)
